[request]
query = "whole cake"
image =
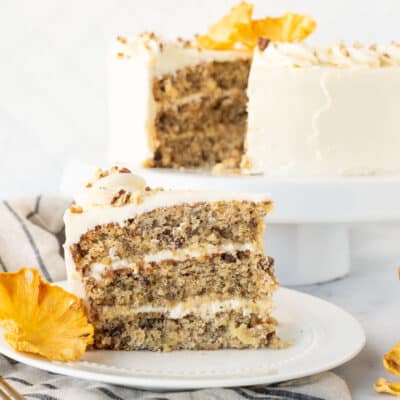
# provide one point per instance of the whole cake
(183, 104)
(284, 109)
(167, 270)
(324, 110)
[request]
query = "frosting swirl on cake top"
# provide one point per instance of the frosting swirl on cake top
(114, 187)
(299, 55)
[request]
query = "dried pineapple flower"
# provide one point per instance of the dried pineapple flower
(238, 30)
(41, 318)
(384, 386)
(391, 361)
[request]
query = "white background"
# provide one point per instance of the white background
(53, 104)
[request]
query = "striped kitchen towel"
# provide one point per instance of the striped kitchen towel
(32, 234)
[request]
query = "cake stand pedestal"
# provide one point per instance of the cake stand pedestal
(308, 230)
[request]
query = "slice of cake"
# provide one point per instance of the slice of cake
(329, 110)
(183, 104)
(168, 270)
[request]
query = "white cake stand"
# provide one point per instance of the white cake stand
(308, 231)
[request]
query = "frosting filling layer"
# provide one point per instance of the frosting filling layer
(98, 268)
(200, 307)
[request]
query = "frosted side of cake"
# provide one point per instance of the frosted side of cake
(326, 111)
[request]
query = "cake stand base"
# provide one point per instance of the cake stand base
(308, 253)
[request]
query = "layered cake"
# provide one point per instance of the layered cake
(167, 270)
(324, 110)
(183, 104)
(173, 104)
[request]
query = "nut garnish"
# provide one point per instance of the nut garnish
(122, 39)
(121, 198)
(263, 43)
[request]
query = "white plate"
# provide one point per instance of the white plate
(323, 335)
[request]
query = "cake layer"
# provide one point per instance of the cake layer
(153, 331)
(176, 123)
(205, 78)
(194, 134)
(219, 277)
(331, 111)
(172, 228)
(200, 147)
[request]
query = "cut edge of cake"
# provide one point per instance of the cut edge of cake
(172, 102)
(169, 270)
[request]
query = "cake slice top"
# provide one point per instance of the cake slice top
(167, 56)
(339, 55)
(116, 195)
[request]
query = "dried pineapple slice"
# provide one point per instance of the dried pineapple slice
(238, 30)
(224, 34)
(289, 28)
(391, 361)
(384, 386)
(41, 318)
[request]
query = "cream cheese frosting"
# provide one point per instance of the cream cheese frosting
(167, 56)
(101, 201)
(324, 111)
(300, 55)
(205, 309)
(97, 269)
(118, 195)
(103, 191)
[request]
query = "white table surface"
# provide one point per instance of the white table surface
(373, 298)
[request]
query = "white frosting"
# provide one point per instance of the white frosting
(134, 63)
(288, 55)
(165, 57)
(102, 192)
(100, 211)
(97, 208)
(77, 224)
(183, 254)
(179, 255)
(323, 120)
(390, 53)
(300, 55)
(207, 309)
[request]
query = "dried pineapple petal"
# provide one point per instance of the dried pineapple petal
(384, 386)
(41, 318)
(238, 30)
(391, 360)
(288, 28)
(222, 35)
